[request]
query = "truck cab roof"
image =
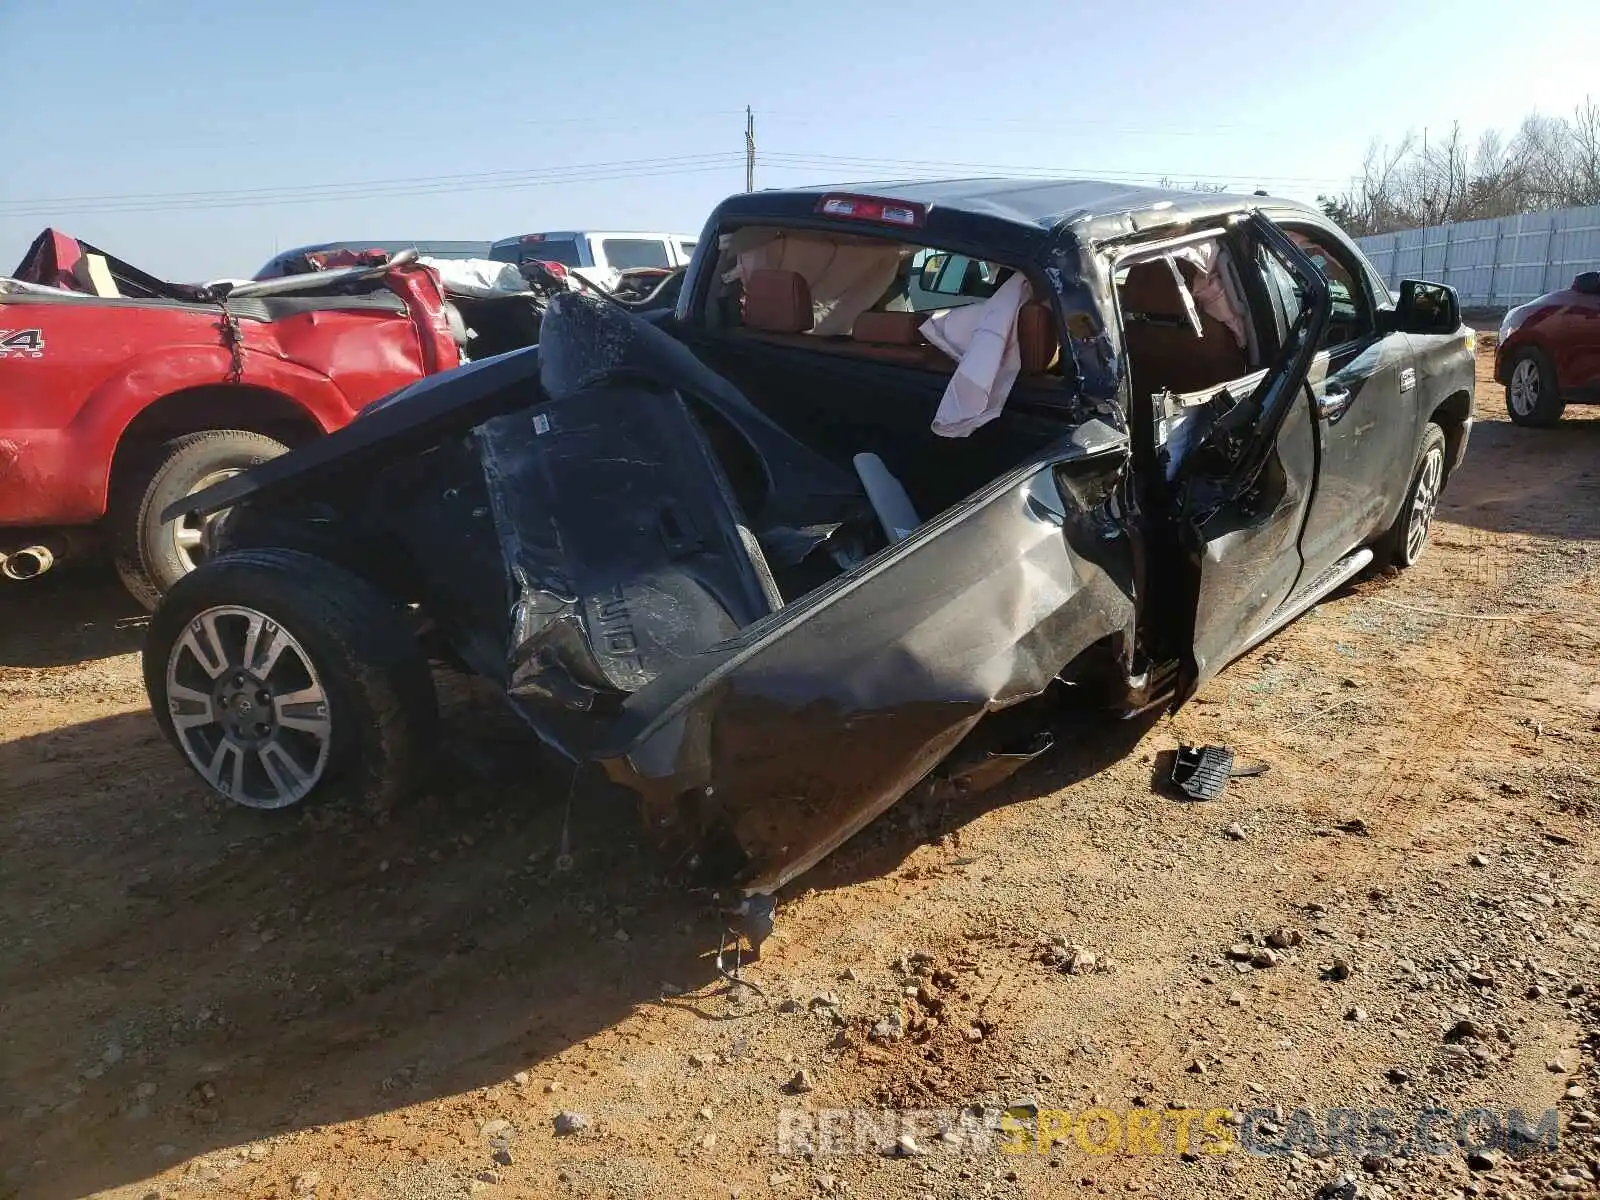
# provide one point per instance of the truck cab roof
(1034, 209)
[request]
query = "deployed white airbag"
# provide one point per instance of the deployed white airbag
(982, 338)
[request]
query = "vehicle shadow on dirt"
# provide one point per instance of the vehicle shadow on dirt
(938, 809)
(184, 977)
(75, 613)
(1492, 490)
(204, 977)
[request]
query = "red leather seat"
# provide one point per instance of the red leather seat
(1163, 351)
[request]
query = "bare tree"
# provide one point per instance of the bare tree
(1585, 152)
(1548, 162)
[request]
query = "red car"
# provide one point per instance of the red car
(121, 393)
(1549, 353)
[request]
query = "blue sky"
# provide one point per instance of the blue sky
(195, 138)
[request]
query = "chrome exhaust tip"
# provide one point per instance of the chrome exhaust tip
(28, 563)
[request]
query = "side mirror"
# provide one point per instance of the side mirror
(931, 266)
(1588, 283)
(1427, 308)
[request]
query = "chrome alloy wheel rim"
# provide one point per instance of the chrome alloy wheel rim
(1524, 390)
(1424, 502)
(248, 707)
(188, 532)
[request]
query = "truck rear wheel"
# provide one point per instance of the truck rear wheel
(282, 677)
(150, 556)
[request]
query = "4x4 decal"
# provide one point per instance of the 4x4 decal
(21, 343)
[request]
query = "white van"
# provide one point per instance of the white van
(598, 257)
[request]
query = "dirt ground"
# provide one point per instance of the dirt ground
(201, 1001)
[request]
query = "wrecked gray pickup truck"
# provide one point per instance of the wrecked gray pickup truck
(896, 463)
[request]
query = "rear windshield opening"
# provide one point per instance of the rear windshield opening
(873, 297)
(848, 275)
(556, 250)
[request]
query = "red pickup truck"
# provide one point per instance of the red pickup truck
(121, 393)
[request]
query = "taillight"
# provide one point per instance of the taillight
(873, 208)
(532, 237)
(559, 270)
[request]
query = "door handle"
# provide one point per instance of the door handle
(1332, 402)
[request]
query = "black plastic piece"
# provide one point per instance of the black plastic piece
(1201, 772)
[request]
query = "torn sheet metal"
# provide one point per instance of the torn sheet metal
(767, 752)
(58, 260)
(761, 734)
(997, 766)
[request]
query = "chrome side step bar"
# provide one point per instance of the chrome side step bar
(1333, 577)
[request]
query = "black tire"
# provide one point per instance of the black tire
(149, 555)
(1533, 396)
(359, 652)
(1402, 547)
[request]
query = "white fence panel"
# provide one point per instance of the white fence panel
(1495, 263)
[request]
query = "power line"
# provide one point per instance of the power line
(1018, 125)
(829, 160)
(364, 184)
(240, 137)
(577, 173)
(179, 202)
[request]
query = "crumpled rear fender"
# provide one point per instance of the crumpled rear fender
(764, 754)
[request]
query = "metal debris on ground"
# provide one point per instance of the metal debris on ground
(724, 948)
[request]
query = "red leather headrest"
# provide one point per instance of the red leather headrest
(777, 302)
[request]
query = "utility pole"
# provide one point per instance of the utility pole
(1427, 190)
(749, 150)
